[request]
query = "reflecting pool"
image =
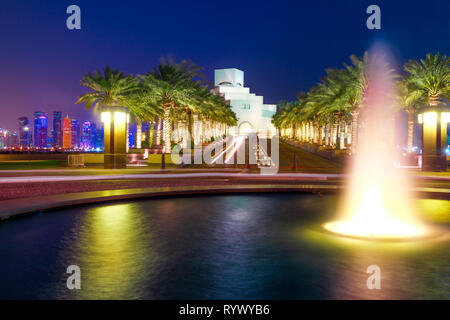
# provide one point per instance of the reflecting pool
(216, 247)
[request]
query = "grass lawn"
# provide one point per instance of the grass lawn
(32, 164)
(429, 173)
(306, 162)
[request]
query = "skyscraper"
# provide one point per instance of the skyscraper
(67, 133)
(3, 135)
(85, 136)
(93, 135)
(13, 139)
(75, 133)
(100, 137)
(57, 129)
(24, 132)
(40, 129)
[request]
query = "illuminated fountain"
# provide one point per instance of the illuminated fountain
(376, 202)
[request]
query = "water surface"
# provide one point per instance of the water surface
(212, 247)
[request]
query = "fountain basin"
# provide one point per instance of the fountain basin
(212, 247)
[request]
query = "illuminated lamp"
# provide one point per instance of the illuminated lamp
(115, 121)
(434, 120)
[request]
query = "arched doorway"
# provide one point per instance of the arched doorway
(245, 128)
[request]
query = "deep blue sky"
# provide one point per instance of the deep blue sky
(283, 46)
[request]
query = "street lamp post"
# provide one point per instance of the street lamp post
(115, 121)
(434, 121)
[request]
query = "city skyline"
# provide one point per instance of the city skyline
(39, 133)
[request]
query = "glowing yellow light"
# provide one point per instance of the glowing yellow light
(373, 218)
(119, 117)
(105, 117)
(429, 118)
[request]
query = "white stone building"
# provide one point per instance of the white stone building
(253, 115)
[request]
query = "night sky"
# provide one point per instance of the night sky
(282, 46)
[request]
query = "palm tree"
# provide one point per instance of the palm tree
(429, 79)
(329, 98)
(108, 90)
(112, 88)
(143, 107)
(356, 82)
(167, 95)
(331, 103)
(408, 102)
(175, 77)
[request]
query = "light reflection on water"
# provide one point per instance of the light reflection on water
(215, 247)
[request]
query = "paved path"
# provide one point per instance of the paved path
(12, 208)
(299, 176)
(20, 184)
(306, 176)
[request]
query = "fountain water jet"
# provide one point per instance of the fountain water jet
(376, 203)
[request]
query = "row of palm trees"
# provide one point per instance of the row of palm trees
(173, 97)
(331, 109)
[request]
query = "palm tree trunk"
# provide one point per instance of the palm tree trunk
(149, 135)
(184, 131)
(327, 134)
(180, 130)
(154, 130)
(156, 133)
(216, 130)
(138, 134)
(166, 128)
(308, 132)
(349, 133)
(335, 131)
(355, 115)
(190, 140)
(316, 131)
(202, 132)
(410, 130)
(195, 129)
(206, 130)
(304, 138)
(321, 134)
(342, 133)
(175, 126)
